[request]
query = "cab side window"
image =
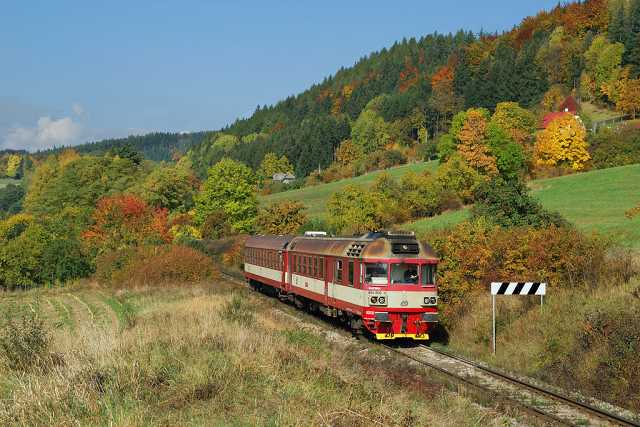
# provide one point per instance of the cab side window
(350, 273)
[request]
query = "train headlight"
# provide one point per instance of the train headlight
(374, 300)
(382, 300)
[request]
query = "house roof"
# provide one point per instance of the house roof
(569, 105)
(549, 117)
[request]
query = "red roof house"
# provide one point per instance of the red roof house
(549, 117)
(569, 105)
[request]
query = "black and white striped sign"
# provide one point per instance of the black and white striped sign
(518, 288)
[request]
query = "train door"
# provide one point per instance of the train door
(289, 275)
(282, 266)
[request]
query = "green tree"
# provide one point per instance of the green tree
(602, 62)
(517, 122)
(272, 164)
(510, 157)
(169, 187)
(354, 210)
(231, 188)
(370, 131)
(509, 204)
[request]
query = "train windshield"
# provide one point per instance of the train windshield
(404, 273)
(428, 276)
(375, 273)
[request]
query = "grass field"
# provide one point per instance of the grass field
(596, 113)
(594, 201)
(316, 197)
(209, 354)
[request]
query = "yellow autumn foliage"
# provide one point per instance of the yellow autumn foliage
(563, 142)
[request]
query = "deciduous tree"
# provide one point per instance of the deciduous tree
(563, 142)
(231, 188)
(285, 217)
(472, 146)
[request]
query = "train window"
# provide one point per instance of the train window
(338, 275)
(428, 274)
(298, 264)
(375, 273)
(315, 266)
(350, 273)
(404, 273)
(321, 270)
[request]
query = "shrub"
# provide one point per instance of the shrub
(232, 257)
(615, 147)
(475, 253)
(11, 198)
(508, 204)
(24, 341)
(156, 266)
(216, 226)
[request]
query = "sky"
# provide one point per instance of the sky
(77, 71)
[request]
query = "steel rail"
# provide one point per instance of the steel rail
(585, 407)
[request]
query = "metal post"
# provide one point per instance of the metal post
(493, 305)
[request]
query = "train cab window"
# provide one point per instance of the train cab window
(350, 273)
(338, 275)
(376, 273)
(428, 274)
(404, 273)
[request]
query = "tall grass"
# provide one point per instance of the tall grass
(188, 360)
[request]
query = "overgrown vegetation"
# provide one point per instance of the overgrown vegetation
(182, 356)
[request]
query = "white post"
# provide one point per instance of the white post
(493, 305)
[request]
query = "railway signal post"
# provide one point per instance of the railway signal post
(514, 288)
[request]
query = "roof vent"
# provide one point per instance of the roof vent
(355, 249)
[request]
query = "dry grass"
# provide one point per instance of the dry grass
(195, 355)
(581, 340)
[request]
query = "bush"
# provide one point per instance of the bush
(508, 204)
(11, 198)
(232, 257)
(156, 266)
(475, 253)
(24, 341)
(612, 148)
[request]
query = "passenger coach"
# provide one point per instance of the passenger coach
(383, 283)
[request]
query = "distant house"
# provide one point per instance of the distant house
(284, 178)
(568, 106)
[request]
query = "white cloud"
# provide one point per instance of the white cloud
(46, 134)
(77, 109)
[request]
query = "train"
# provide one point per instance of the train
(382, 284)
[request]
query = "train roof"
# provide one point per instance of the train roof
(371, 245)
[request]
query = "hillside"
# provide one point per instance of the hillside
(408, 93)
(157, 146)
(594, 200)
(316, 197)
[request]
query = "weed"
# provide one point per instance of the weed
(124, 309)
(24, 341)
(239, 310)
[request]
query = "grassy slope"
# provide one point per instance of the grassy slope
(316, 197)
(595, 200)
(208, 354)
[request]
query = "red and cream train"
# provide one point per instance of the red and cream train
(382, 282)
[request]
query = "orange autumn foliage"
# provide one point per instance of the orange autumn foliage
(472, 145)
(125, 220)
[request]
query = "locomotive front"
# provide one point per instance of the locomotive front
(399, 277)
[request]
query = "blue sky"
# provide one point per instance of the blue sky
(72, 71)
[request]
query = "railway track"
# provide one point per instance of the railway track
(540, 401)
(548, 404)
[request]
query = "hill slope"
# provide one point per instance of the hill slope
(316, 197)
(594, 201)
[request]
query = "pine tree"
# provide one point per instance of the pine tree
(617, 24)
